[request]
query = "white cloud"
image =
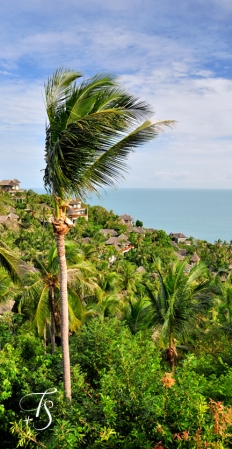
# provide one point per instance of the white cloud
(172, 55)
(21, 104)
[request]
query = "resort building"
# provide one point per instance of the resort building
(194, 259)
(179, 256)
(108, 232)
(10, 216)
(138, 230)
(178, 237)
(121, 243)
(126, 219)
(6, 307)
(76, 210)
(11, 186)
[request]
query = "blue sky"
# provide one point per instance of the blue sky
(174, 54)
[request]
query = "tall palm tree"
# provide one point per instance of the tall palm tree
(92, 128)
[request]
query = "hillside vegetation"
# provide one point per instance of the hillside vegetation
(149, 333)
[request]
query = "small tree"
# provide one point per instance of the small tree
(138, 223)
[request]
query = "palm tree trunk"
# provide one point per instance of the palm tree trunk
(64, 313)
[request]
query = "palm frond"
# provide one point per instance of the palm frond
(6, 288)
(42, 315)
(101, 161)
(92, 129)
(57, 89)
(9, 260)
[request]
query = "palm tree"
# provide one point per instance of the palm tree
(177, 300)
(128, 278)
(40, 295)
(92, 128)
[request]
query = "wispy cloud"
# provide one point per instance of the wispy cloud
(176, 55)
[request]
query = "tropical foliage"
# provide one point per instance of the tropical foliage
(123, 316)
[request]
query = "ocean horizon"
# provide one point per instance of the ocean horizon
(204, 214)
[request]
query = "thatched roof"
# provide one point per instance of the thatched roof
(179, 235)
(111, 241)
(179, 256)
(7, 307)
(126, 217)
(139, 230)
(195, 258)
(110, 232)
(9, 182)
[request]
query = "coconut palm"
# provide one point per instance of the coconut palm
(128, 277)
(177, 300)
(40, 296)
(91, 130)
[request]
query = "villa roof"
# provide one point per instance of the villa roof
(126, 217)
(174, 244)
(117, 247)
(7, 307)
(178, 234)
(86, 240)
(106, 232)
(122, 237)
(12, 216)
(179, 256)
(9, 182)
(111, 241)
(182, 252)
(195, 258)
(138, 229)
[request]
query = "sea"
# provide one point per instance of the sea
(200, 213)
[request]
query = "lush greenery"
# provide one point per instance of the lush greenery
(150, 336)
